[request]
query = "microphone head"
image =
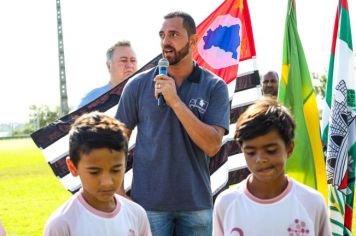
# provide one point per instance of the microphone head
(163, 62)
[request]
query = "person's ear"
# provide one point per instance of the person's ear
(71, 167)
(193, 40)
(108, 65)
(290, 148)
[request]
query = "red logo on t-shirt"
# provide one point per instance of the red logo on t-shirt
(299, 228)
(131, 232)
(237, 230)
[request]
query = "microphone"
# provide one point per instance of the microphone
(163, 70)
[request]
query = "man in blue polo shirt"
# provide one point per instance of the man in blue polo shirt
(121, 63)
(170, 169)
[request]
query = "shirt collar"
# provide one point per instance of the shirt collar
(194, 77)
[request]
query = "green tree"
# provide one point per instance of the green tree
(39, 116)
(24, 130)
(42, 115)
(319, 84)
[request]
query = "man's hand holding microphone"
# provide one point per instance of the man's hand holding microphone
(165, 87)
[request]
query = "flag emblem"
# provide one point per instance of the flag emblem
(200, 104)
(342, 120)
(220, 44)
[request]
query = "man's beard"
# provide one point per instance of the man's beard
(270, 90)
(178, 55)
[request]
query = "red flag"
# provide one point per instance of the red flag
(225, 39)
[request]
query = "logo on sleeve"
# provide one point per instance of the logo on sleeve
(198, 103)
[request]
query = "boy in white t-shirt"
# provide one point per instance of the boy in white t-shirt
(268, 202)
(97, 154)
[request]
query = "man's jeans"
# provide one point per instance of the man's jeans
(182, 223)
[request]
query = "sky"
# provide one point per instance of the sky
(28, 43)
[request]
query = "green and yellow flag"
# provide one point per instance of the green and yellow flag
(306, 164)
(339, 125)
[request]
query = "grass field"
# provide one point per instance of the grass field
(29, 190)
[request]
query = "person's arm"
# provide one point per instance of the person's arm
(2, 229)
(206, 137)
(218, 229)
(127, 114)
(323, 225)
(145, 228)
(121, 190)
(56, 227)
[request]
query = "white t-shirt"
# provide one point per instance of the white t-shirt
(77, 217)
(2, 230)
(298, 210)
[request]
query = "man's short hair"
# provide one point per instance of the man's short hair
(95, 130)
(110, 51)
(188, 21)
(262, 117)
(275, 74)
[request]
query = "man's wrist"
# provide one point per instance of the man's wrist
(178, 103)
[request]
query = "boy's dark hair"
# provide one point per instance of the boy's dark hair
(95, 130)
(188, 21)
(262, 117)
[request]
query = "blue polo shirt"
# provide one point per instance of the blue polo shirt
(170, 172)
(93, 94)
